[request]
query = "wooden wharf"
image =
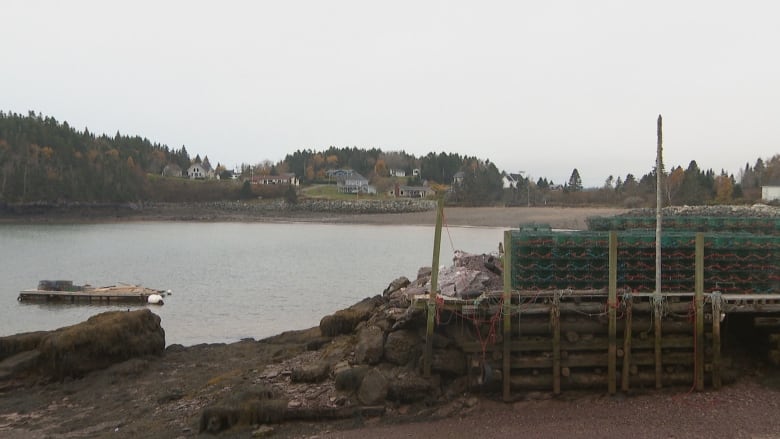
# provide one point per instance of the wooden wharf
(125, 293)
(611, 339)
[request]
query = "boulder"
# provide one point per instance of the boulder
(406, 387)
(401, 282)
(348, 379)
(310, 373)
(11, 366)
(256, 405)
(15, 344)
(450, 362)
(346, 320)
(103, 340)
(370, 345)
(373, 388)
(402, 347)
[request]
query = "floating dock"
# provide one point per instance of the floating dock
(66, 292)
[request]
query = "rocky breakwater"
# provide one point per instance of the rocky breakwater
(368, 361)
(74, 351)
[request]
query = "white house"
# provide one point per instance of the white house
(397, 173)
(199, 171)
(770, 193)
(287, 178)
(354, 183)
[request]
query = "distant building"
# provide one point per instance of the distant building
(287, 178)
(353, 183)
(198, 171)
(511, 180)
(397, 173)
(770, 192)
(458, 177)
(411, 191)
(171, 170)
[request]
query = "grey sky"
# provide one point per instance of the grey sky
(537, 86)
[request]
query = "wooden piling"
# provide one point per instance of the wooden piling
(612, 310)
(434, 289)
(507, 322)
(716, 378)
(699, 305)
(555, 319)
(625, 382)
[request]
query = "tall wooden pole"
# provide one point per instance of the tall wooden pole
(434, 288)
(507, 323)
(612, 311)
(657, 298)
(698, 364)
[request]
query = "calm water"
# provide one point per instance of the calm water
(229, 280)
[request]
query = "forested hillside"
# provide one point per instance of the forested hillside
(43, 159)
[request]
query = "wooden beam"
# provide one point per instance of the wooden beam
(434, 289)
(612, 311)
(507, 323)
(555, 320)
(699, 306)
(625, 382)
(716, 377)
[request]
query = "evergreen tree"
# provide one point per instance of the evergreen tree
(575, 182)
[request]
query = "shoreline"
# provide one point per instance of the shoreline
(496, 217)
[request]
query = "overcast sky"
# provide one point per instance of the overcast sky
(536, 86)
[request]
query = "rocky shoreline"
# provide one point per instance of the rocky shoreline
(373, 212)
(355, 375)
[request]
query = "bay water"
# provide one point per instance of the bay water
(229, 280)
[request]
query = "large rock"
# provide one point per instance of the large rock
(15, 344)
(373, 388)
(101, 341)
(310, 373)
(402, 347)
(407, 386)
(450, 362)
(346, 320)
(348, 379)
(370, 345)
(401, 282)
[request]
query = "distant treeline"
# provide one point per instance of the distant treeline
(42, 159)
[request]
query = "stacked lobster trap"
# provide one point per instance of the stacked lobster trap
(580, 310)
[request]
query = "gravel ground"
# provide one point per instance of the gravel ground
(746, 409)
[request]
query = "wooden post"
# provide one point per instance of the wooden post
(555, 318)
(657, 298)
(612, 310)
(699, 304)
(507, 323)
(434, 288)
(627, 344)
(716, 379)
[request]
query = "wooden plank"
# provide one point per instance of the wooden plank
(589, 359)
(542, 344)
(699, 309)
(555, 316)
(625, 382)
(716, 365)
(427, 358)
(612, 310)
(507, 323)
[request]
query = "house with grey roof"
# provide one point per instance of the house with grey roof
(353, 183)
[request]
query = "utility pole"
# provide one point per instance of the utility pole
(657, 298)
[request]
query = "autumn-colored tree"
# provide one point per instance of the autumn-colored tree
(724, 189)
(674, 182)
